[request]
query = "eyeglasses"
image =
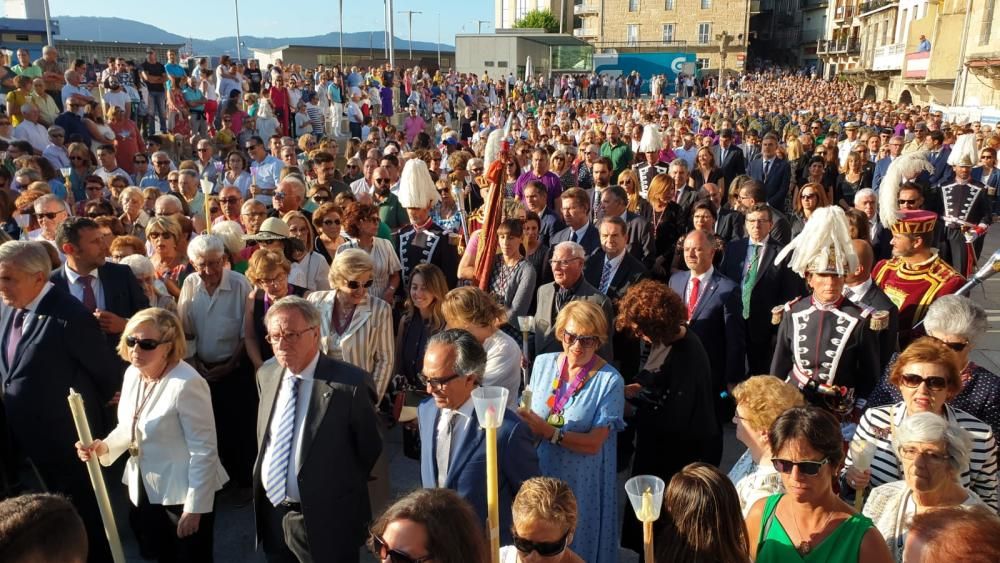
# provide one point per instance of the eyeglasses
(382, 180)
(139, 161)
(562, 263)
(229, 200)
(330, 222)
(809, 196)
(911, 453)
(146, 344)
(203, 149)
(156, 235)
(161, 162)
(934, 382)
(355, 284)
(438, 382)
(77, 158)
(280, 195)
(279, 279)
(382, 551)
(544, 549)
(50, 216)
(255, 214)
(321, 199)
(810, 468)
(902, 202)
(290, 337)
(585, 341)
(956, 346)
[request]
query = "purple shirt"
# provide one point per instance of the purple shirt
(551, 182)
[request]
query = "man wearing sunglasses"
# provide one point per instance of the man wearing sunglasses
(453, 441)
(317, 442)
(265, 170)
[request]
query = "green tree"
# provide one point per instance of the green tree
(538, 19)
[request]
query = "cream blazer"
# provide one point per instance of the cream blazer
(178, 459)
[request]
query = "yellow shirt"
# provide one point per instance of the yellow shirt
(16, 99)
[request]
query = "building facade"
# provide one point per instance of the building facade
(839, 48)
(311, 55)
(507, 12)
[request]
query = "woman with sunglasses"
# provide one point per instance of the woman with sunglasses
(927, 375)
(362, 223)
(545, 518)
(809, 198)
(164, 235)
(328, 220)
(268, 271)
(82, 163)
(166, 426)
(357, 329)
(309, 268)
(428, 525)
(629, 180)
(934, 455)
(809, 522)
(575, 409)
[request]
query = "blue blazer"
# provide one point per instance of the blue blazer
(717, 322)
(881, 167)
(551, 223)
(943, 173)
(776, 184)
(516, 457)
(122, 294)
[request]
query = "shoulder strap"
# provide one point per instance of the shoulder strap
(770, 509)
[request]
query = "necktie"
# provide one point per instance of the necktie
(443, 452)
(573, 237)
(767, 169)
(89, 299)
(693, 297)
(14, 335)
(280, 449)
(748, 280)
(605, 276)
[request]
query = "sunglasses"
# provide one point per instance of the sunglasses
(230, 200)
(382, 551)
(382, 180)
(544, 549)
(355, 284)
(585, 341)
(49, 216)
(159, 235)
(906, 202)
(321, 199)
(330, 222)
(934, 383)
(810, 468)
(956, 346)
(438, 382)
(146, 344)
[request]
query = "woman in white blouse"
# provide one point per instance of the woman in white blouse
(357, 328)
(934, 452)
(166, 425)
(236, 173)
(759, 401)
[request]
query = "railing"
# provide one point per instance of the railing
(851, 46)
(917, 65)
(889, 57)
(843, 13)
(585, 32)
(586, 8)
(812, 4)
(872, 5)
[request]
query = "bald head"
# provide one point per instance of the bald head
(866, 258)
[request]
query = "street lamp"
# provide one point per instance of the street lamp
(409, 14)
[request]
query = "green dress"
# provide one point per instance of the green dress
(842, 546)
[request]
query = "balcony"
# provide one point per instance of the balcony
(843, 14)
(873, 5)
(813, 4)
(889, 57)
(917, 65)
(844, 46)
(585, 32)
(586, 8)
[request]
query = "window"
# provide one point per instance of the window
(502, 64)
(706, 4)
(701, 63)
(632, 34)
(20, 37)
(487, 63)
(984, 33)
(633, 5)
(668, 4)
(668, 32)
(704, 33)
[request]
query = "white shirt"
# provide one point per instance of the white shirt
(304, 393)
(34, 305)
(76, 290)
(503, 364)
(213, 323)
(856, 292)
(461, 425)
(361, 186)
(34, 133)
(702, 281)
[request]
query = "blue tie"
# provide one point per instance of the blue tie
(605, 277)
(280, 449)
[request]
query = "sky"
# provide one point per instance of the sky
(209, 19)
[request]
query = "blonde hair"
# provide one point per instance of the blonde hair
(764, 398)
(587, 316)
(471, 306)
(349, 263)
(165, 223)
(545, 499)
(659, 187)
(264, 262)
(171, 332)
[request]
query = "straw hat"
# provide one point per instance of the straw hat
(271, 229)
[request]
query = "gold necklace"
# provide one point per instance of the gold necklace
(805, 545)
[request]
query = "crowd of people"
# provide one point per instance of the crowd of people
(251, 305)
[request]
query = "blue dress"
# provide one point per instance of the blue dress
(593, 478)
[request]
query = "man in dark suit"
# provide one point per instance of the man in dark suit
(453, 452)
(536, 200)
(752, 194)
(576, 215)
(882, 166)
(750, 148)
(686, 195)
(639, 234)
(317, 443)
(51, 342)
(772, 172)
(860, 288)
(943, 173)
(110, 291)
(867, 201)
(568, 285)
(729, 157)
(763, 285)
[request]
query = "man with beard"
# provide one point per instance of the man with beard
(389, 208)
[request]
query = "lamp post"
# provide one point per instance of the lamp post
(239, 54)
(409, 15)
(340, 36)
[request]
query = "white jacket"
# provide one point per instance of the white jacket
(178, 452)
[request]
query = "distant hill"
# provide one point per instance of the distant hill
(88, 28)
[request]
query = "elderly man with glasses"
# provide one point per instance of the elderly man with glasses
(159, 176)
(265, 170)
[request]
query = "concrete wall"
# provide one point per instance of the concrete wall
(497, 55)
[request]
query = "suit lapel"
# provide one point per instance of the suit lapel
(269, 378)
(5, 319)
(34, 321)
(361, 314)
(319, 400)
(462, 450)
(706, 294)
(762, 263)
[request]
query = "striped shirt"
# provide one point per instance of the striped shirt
(981, 477)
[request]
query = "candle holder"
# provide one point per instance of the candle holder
(490, 404)
(206, 188)
(862, 453)
(645, 492)
(527, 326)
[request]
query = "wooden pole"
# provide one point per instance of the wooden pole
(492, 489)
(647, 541)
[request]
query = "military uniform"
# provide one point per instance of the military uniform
(646, 173)
(830, 352)
(966, 216)
(430, 244)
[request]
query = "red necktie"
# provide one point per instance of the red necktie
(693, 298)
(89, 298)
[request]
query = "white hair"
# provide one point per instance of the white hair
(205, 245)
(141, 266)
(956, 315)
(864, 193)
(30, 257)
(574, 248)
(40, 203)
(231, 234)
(929, 427)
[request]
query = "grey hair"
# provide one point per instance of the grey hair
(25, 108)
(474, 161)
(575, 248)
(249, 206)
(68, 73)
(141, 266)
(55, 129)
(167, 199)
(28, 256)
(956, 315)
(29, 173)
(205, 245)
(158, 154)
(679, 163)
(308, 311)
(187, 173)
(41, 202)
(231, 234)
(47, 49)
(865, 193)
(929, 427)
(470, 357)
(300, 186)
